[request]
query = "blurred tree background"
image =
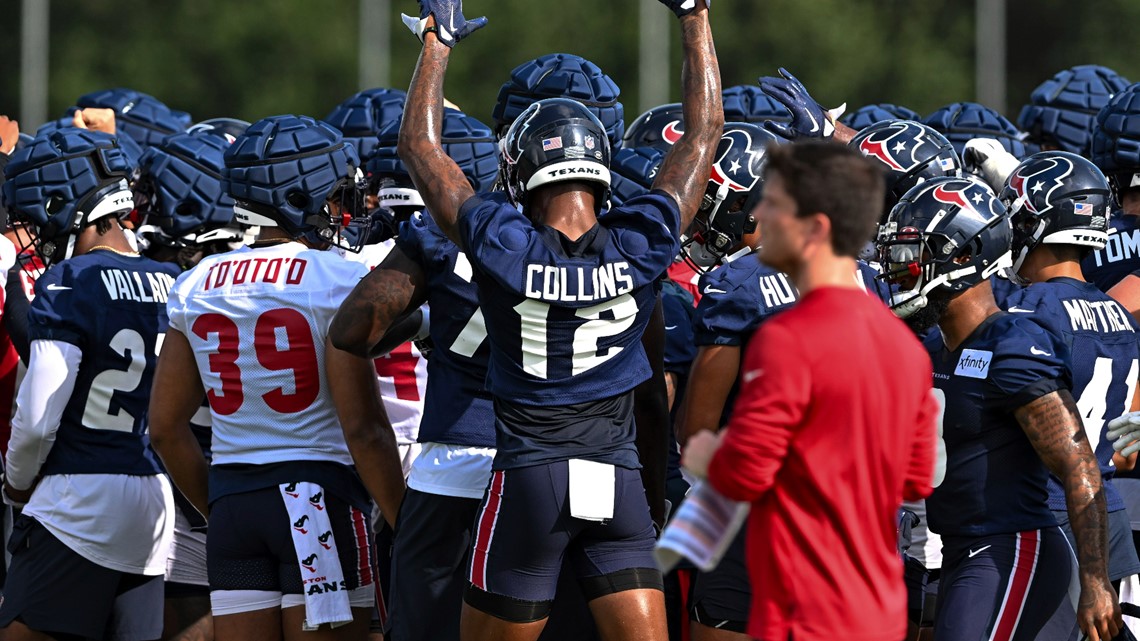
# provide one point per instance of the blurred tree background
(255, 58)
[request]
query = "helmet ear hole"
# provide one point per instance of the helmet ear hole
(56, 203)
(297, 199)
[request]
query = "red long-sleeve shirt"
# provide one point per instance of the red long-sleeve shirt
(833, 427)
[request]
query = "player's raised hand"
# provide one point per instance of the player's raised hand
(685, 7)
(447, 21)
(9, 134)
(809, 118)
(95, 119)
(1125, 433)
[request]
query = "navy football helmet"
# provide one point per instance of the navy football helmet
(947, 234)
(749, 103)
(1058, 198)
(128, 145)
(909, 152)
(868, 115)
(1116, 140)
(554, 140)
(179, 192)
(632, 172)
(143, 117)
(660, 127)
(283, 171)
(561, 75)
(961, 122)
(64, 181)
(734, 188)
(465, 139)
(1061, 113)
(365, 114)
(227, 129)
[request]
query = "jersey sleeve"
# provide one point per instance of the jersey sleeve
(496, 236)
(57, 312)
(1028, 363)
(645, 230)
(176, 309)
(414, 239)
(680, 349)
(774, 396)
(724, 317)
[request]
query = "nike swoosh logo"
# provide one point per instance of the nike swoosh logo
(56, 288)
(978, 551)
(670, 327)
(1038, 352)
(814, 123)
(713, 290)
(1018, 310)
(752, 375)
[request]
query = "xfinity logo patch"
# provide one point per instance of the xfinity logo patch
(974, 363)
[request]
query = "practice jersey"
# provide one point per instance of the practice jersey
(1120, 256)
(737, 297)
(113, 308)
(403, 372)
(565, 320)
(257, 320)
(1104, 356)
(457, 370)
(988, 479)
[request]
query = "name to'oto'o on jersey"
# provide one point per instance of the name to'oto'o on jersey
(129, 285)
(251, 270)
(1097, 316)
(573, 284)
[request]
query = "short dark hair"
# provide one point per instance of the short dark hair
(829, 178)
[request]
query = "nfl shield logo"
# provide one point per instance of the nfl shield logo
(589, 142)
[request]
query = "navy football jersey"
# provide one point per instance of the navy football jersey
(988, 479)
(1120, 256)
(457, 369)
(868, 277)
(680, 349)
(737, 297)
(113, 308)
(1004, 289)
(1100, 338)
(565, 320)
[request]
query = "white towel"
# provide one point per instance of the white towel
(316, 555)
(701, 531)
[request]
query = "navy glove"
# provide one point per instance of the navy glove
(809, 118)
(684, 7)
(450, 25)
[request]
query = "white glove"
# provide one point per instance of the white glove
(987, 159)
(1125, 433)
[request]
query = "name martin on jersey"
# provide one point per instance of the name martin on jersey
(574, 284)
(1097, 316)
(249, 270)
(122, 284)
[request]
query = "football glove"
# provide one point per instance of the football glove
(450, 25)
(988, 160)
(809, 118)
(1125, 433)
(684, 7)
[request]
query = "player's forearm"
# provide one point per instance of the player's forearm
(43, 396)
(186, 465)
(685, 170)
(1056, 432)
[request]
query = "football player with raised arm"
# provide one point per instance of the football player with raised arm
(289, 548)
(90, 550)
(566, 295)
(1008, 419)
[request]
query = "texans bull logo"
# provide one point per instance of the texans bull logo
(896, 146)
(735, 149)
(1046, 175)
(307, 563)
(299, 524)
(672, 132)
(967, 196)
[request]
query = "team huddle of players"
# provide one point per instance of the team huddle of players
(408, 403)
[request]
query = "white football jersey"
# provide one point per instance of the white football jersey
(257, 319)
(402, 372)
